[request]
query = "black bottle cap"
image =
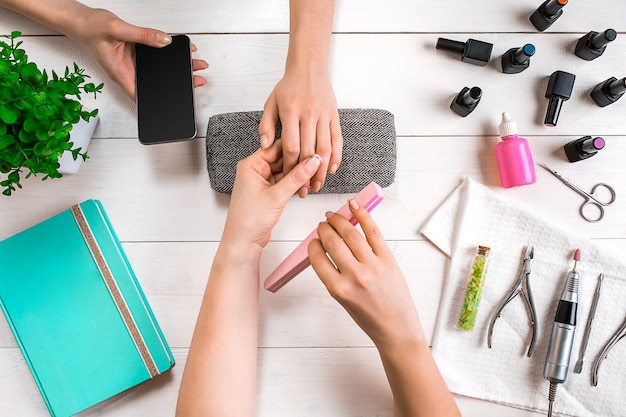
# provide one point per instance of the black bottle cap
(593, 44)
(473, 51)
(547, 14)
(583, 148)
(559, 90)
(602, 39)
(616, 87)
(608, 91)
(552, 7)
(524, 53)
(516, 60)
(560, 85)
(466, 101)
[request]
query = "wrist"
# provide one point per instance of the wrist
(61, 15)
(306, 65)
(405, 354)
(400, 346)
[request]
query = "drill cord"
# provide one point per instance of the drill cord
(551, 396)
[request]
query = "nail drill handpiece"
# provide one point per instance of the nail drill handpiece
(562, 336)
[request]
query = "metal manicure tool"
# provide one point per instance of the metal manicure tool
(591, 198)
(522, 287)
(594, 305)
(619, 335)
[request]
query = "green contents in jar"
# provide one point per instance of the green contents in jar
(473, 292)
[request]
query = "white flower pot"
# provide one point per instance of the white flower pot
(80, 136)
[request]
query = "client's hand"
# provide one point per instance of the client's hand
(111, 42)
(306, 106)
(260, 193)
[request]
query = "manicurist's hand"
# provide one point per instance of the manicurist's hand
(220, 374)
(261, 192)
(364, 277)
(366, 280)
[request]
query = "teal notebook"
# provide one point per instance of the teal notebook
(77, 311)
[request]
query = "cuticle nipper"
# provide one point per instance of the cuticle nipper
(522, 286)
(617, 336)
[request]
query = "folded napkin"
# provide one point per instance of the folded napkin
(475, 215)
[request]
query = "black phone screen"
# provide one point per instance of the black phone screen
(165, 104)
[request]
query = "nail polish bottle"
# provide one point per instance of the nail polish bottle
(583, 148)
(559, 90)
(466, 101)
(608, 91)
(516, 60)
(473, 51)
(515, 162)
(593, 44)
(547, 13)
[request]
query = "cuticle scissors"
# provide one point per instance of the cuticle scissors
(617, 336)
(590, 198)
(521, 286)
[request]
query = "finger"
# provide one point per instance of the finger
(194, 48)
(335, 245)
(290, 137)
(336, 140)
(307, 138)
(322, 266)
(354, 240)
(199, 64)
(307, 148)
(372, 233)
(277, 166)
(323, 148)
(267, 126)
(273, 153)
(297, 177)
(145, 36)
(128, 85)
(199, 81)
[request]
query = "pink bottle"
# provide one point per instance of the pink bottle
(515, 162)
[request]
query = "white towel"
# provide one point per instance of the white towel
(475, 215)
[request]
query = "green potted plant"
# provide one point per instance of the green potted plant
(37, 114)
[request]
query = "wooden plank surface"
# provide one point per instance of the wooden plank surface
(313, 360)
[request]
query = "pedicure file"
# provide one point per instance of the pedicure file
(298, 260)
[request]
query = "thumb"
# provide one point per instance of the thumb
(299, 176)
(146, 36)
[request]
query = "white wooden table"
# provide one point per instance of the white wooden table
(314, 360)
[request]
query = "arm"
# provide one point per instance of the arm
(220, 374)
(371, 287)
(303, 100)
(107, 38)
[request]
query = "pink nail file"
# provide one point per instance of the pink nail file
(298, 260)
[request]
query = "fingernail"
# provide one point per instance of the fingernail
(164, 39)
(264, 142)
(333, 168)
(353, 204)
(302, 192)
(313, 163)
(316, 186)
(329, 214)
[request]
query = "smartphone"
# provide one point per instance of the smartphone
(165, 102)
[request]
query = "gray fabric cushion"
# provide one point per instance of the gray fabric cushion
(369, 148)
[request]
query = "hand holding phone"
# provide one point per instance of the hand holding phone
(165, 97)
